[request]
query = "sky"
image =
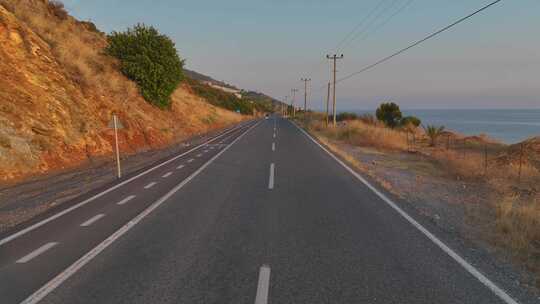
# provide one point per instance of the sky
(490, 61)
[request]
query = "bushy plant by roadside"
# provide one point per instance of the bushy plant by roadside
(411, 120)
(389, 113)
(150, 59)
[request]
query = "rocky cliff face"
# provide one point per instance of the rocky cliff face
(58, 92)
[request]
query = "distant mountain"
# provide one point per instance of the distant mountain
(249, 95)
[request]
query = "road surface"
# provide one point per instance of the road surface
(260, 214)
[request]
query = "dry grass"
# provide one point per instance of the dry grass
(362, 134)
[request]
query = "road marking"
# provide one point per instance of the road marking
(152, 184)
(263, 286)
(68, 210)
(190, 160)
(206, 151)
(77, 265)
(92, 220)
(271, 179)
(166, 174)
(198, 155)
(454, 255)
(127, 199)
(180, 167)
(36, 252)
(273, 146)
(274, 135)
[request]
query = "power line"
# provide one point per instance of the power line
(373, 21)
(369, 67)
(385, 22)
(359, 25)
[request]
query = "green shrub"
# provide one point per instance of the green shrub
(150, 59)
(346, 116)
(411, 120)
(433, 132)
(389, 113)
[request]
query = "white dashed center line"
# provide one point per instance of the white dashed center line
(271, 179)
(263, 286)
(92, 220)
(273, 146)
(198, 155)
(127, 199)
(167, 174)
(180, 167)
(152, 184)
(36, 252)
(190, 160)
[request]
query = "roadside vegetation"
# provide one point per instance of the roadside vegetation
(505, 178)
(217, 97)
(150, 59)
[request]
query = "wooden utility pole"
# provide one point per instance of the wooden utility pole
(305, 80)
(334, 58)
(293, 91)
(327, 103)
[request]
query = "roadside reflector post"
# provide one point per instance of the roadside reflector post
(116, 124)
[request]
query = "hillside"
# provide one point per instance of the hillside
(265, 101)
(58, 92)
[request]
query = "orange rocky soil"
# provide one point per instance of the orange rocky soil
(58, 92)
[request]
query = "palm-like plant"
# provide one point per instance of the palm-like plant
(433, 132)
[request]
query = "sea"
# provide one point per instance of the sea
(506, 125)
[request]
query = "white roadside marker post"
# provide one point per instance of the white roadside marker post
(116, 124)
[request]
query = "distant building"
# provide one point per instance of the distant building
(235, 92)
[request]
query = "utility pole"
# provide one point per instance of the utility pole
(305, 80)
(335, 58)
(284, 107)
(327, 103)
(293, 91)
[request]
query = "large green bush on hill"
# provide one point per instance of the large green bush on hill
(150, 59)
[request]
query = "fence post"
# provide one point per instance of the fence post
(464, 147)
(520, 161)
(485, 159)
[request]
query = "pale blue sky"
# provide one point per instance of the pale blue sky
(490, 61)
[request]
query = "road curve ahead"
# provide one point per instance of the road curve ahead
(259, 215)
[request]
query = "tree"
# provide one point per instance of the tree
(410, 120)
(389, 113)
(150, 59)
(433, 132)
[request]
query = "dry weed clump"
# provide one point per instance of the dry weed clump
(517, 224)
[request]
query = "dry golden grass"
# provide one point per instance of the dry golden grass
(361, 134)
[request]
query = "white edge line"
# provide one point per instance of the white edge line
(65, 211)
(127, 199)
(68, 272)
(461, 261)
(92, 220)
(263, 285)
(36, 253)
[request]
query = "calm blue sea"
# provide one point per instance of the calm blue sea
(509, 126)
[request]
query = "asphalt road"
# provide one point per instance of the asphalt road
(261, 214)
